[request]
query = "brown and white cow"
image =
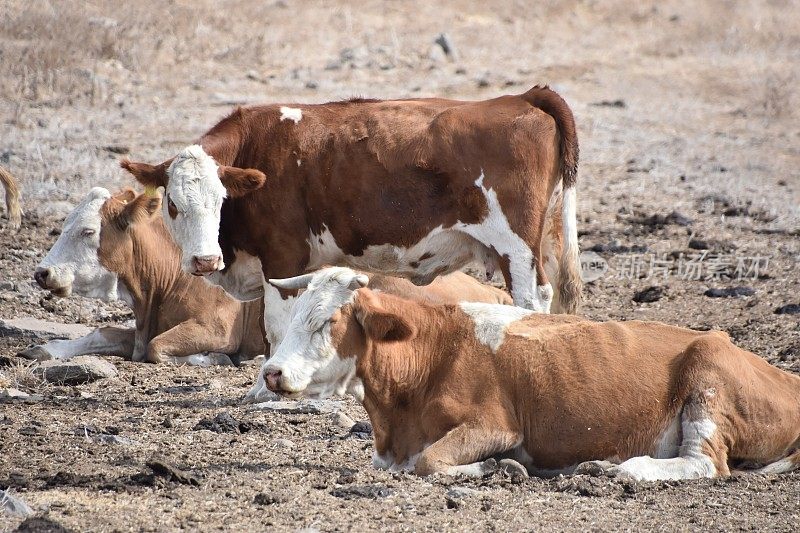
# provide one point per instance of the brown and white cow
(413, 188)
(13, 209)
(450, 288)
(116, 247)
(448, 386)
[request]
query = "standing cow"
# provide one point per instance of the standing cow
(415, 188)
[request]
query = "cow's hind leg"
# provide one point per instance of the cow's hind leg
(703, 452)
(518, 245)
(465, 450)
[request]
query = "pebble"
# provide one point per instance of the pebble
(341, 420)
(76, 371)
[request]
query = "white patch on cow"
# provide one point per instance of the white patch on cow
(448, 250)
(306, 357)
(244, 279)
(669, 442)
(203, 360)
(277, 316)
(692, 462)
(491, 321)
(382, 462)
(291, 113)
(72, 264)
(478, 469)
(196, 191)
(299, 162)
(495, 231)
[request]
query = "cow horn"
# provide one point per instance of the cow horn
(297, 282)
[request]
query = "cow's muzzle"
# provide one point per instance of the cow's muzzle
(206, 264)
(44, 277)
(273, 380)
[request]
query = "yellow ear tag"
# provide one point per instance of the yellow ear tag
(149, 190)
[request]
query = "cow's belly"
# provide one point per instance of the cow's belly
(440, 252)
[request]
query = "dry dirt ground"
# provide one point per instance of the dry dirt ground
(688, 122)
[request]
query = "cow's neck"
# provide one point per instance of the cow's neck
(403, 382)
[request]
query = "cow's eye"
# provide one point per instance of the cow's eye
(171, 209)
(87, 232)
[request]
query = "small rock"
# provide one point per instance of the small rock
(283, 443)
(649, 295)
(788, 309)
(341, 420)
(729, 292)
(162, 468)
(25, 326)
(117, 149)
(14, 505)
(361, 430)
(76, 371)
(6, 285)
(270, 499)
(223, 423)
(362, 491)
(593, 468)
(105, 438)
(346, 475)
(446, 44)
(462, 492)
(618, 103)
(167, 422)
(302, 407)
(13, 394)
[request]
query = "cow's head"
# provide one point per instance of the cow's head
(195, 186)
(332, 324)
(72, 264)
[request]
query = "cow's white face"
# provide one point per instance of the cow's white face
(307, 361)
(72, 264)
(193, 200)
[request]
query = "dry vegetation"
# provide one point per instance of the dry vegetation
(687, 106)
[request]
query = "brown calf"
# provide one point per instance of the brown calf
(117, 247)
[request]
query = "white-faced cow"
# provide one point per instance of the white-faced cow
(450, 288)
(413, 188)
(448, 386)
(116, 247)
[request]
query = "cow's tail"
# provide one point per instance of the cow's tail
(569, 284)
(14, 210)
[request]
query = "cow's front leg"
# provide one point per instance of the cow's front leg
(103, 341)
(466, 450)
(187, 338)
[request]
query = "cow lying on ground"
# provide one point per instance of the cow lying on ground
(116, 247)
(451, 288)
(448, 386)
(414, 188)
(13, 209)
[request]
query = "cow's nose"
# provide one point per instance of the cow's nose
(206, 263)
(41, 276)
(273, 379)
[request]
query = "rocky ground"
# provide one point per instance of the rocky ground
(688, 180)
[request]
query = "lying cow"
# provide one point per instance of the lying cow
(451, 288)
(414, 188)
(116, 247)
(448, 386)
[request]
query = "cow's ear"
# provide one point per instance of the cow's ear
(125, 196)
(148, 175)
(241, 181)
(380, 324)
(142, 208)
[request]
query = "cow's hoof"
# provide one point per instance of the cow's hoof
(595, 468)
(35, 353)
(512, 468)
